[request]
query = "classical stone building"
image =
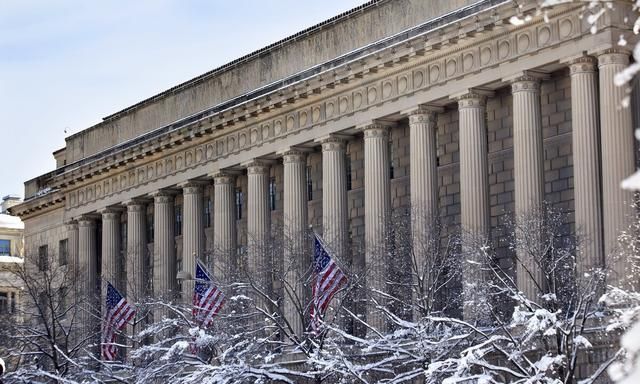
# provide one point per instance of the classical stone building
(444, 105)
(11, 258)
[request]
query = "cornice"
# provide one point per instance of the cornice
(41, 204)
(400, 71)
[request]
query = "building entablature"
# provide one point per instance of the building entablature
(478, 50)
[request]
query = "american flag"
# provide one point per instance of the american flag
(117, 313)
(327, 280)
(207, 298)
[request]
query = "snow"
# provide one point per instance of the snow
(11, 222)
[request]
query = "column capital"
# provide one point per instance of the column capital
(163, 196)
(423, 113)
(376, 128)
(613, 56)
(135, 205)
(294, 156)
(333, 142)
(257, 166)
(224, 178)
(526, 81)
(472, 98)
(583, 64)
(110, 213)
(87, 220)
(192, 187)
(71, 225)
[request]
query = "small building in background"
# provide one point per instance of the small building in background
(11, 256)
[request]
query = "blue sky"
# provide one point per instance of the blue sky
(66, 64)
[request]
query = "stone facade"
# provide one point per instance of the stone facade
(462, 114)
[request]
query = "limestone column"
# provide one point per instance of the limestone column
(164, 248)
(88, 268)
(474, 200)
(72, 244)
(224, 226)
(136, 249)
(258, 227)
(87, 256)
(192, 234)
(424, 193)
(617, 155)
(335, 224)
(111, 249)
(377, 206)
(528, 158)
(586, 164)
(295, 232)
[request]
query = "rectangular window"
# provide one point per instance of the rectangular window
(272, 193)
(178, 214)
(348, 165)
(149, 223)
(239, 199)
(43, 258)
(5, 247)
(309, 184)
(208, 208)
(391, 161)
(63, 252)
(4, 303)
(14, 299)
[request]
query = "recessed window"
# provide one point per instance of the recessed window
(272, 193)
(178, 223)
(149, 223)
(5, 247)
(208, 208)
(309, 184)
(391, 160)
(239, 200)
(43, 258)
(348, 165)
(63, 252)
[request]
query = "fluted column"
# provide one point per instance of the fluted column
(377, 206)
(224, 225)
(258, 227)
(617, 155)
(88, 269)
(136, 249)
(164, 248)
(529, 182)
(72, 244)
(295, 224)
(192, 234)
(424, 193)
(474, 200)
(586, 164)
(111, 249)
(335, 225)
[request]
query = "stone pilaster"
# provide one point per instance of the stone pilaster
(586, 164)
(164, 248)
(617, 155)
(474, 199)
(136, 250)
(295, 232)
(224, 226)
(377, 207)
(258, 227)
(529, 182)
(424, 193)
(335, 225)
(192, 234)
(111, 258)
